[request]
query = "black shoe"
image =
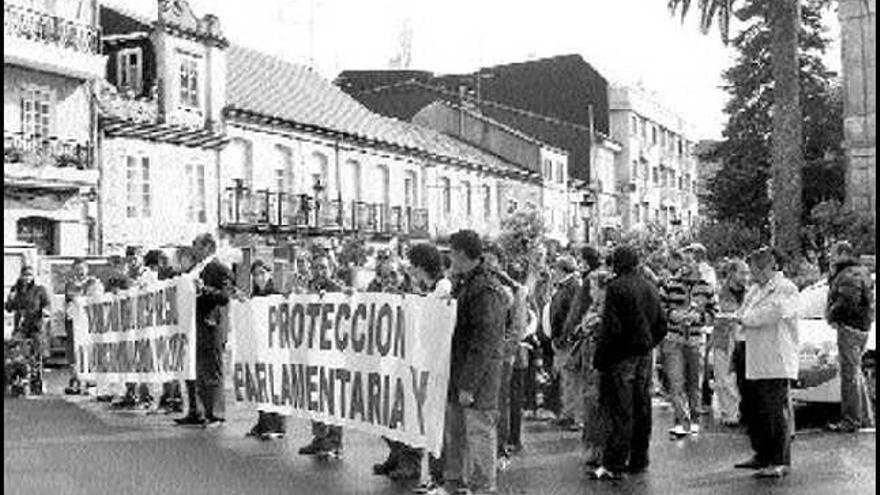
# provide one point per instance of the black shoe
(313, 448)
(214, 421)
(752, 463)
(190, 421)
(256, 431)
(636, 468)
(383, 468)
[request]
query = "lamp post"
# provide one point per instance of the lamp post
(586, 203)
(319, 188)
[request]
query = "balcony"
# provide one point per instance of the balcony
(264, 210)
(52, 162)
(50, 43)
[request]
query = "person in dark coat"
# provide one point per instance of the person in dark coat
(632, 325)
(850, 310)
(568, 382)
(214, 287)
(29, 303)
(475, 370)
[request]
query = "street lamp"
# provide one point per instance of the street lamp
(586, 203)
(319, 188)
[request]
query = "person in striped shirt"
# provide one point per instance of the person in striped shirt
(689, 303)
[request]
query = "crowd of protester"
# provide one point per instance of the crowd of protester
(584, 338)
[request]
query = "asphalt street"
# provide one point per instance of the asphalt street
(76, 446)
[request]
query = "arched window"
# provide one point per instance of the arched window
(239, 163)
(466, 197)
(385, 181)
(410, 191)
(318, 170)
(446, 187)
(351, 181)
(282, 181)
(487, 201)
(40, 232)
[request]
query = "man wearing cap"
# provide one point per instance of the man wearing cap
(570, 383)
(850, 310)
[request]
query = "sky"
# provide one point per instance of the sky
(628, 41)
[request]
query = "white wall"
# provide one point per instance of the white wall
(168, 223)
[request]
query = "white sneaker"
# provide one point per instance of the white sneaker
(695, 429)
(678, 431)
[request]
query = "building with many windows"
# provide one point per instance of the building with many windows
(160, 125)
(306, 159)
(51, 59)
(656, 168)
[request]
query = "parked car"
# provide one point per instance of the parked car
(819, 373)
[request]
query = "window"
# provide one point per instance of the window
(656, 215)
(653, 135)
(466, 191)
(283, 170)
(644, 124)
(664, 176)
(679, 147)
(447, 195)
(195, 176)
(128, 69)
(560, 173)
(645, 175)
(410, 195)
(635, 125)
(351, 181)
(318, 170)
(635, 170)
(487, 201)
(189, 80)
(38, 231)
(36, 111)
(655, 175)
(548, 169)
(663, 137)
(137, 180)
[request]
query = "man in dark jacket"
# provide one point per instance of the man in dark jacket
(632, 324)
(850, 311)
(475, 370)
(569, 383)
(214, 287)
(29, 303)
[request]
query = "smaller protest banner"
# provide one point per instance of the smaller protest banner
(374, 362)
(143, 335)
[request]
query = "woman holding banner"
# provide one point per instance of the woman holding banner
(269, 425)
(404, 462)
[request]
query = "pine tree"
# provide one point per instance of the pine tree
(739, 192)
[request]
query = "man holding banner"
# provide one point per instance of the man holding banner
(214, 286)
(475, 370)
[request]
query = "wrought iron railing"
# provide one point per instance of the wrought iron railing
(26, 23)
(19, 147)
(243, 207)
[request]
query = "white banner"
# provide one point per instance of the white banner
(140, 335)
(374, 362)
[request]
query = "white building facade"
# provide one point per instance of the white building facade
(656, 170)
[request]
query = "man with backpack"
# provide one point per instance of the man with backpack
(850, 311)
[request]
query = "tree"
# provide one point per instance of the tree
(783, 19)
(745, 151)
(832, 221)
(521, 235)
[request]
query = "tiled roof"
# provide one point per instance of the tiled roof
(267, 86)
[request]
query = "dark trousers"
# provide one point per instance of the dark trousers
(530, 383)
(770, 420)
(203, 398)
(625, 392)
(503, 426)
(739, 367)
(517, 389)
(329, 436)
(854, 409)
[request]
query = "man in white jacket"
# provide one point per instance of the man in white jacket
(769, 321)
